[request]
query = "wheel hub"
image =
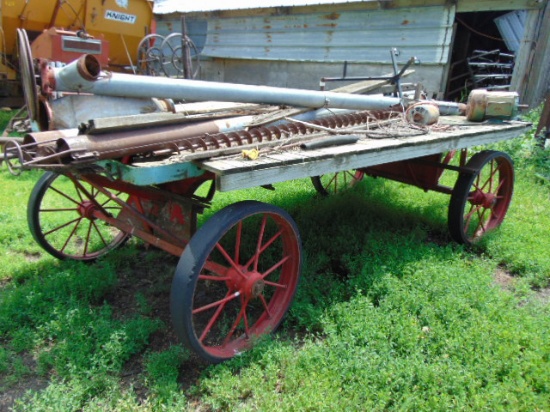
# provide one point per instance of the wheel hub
(249, 284)
(86, 209)
(487, 200)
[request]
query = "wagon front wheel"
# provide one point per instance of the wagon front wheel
(480, 198)
(60, 215)
(235, 279)
(332, 183)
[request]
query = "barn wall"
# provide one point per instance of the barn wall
(296, 46)
(296, 50)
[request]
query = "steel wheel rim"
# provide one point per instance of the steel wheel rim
(226, 295)
(481, 196)
(245, 288)
(488, 199)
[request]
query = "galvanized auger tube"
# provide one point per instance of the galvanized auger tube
(85, 75)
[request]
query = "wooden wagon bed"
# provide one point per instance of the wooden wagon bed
(273, 166)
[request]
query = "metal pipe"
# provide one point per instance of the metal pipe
(85, 75)
(144, 140)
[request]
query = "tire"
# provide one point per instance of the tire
(235, 280)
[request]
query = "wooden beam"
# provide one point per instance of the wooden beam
(496, 5)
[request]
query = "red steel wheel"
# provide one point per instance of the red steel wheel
(480, 200)
(332, 183)
(235, 279)
(60, 217)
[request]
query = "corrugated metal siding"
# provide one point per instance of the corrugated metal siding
(178, 6)
(511, 27)
(364, 36)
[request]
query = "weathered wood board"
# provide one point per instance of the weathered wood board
(234, 172)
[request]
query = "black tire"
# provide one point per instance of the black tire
(56, 219)
(480, 200)
(219, 303)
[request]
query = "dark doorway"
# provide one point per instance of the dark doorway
(480, 57)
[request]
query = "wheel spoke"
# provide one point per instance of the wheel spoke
(214, 278)
(213, 319)
(481, 216)
(266, 307)
(473, 210)
(501, 183)
(216, 303)
(62, 250)
(256, 256)
(55, 229)
(275, 267)
(277, 285)
(229, 260)
(88, 236)
(216, 268)
(59, 210)
(490, 177)
(245, 319)
(235, 324)
(259, 243)
(76, 202)
(96, 228)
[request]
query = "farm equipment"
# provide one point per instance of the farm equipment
(237, 274)
(60, 31)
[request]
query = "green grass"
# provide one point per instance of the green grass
(390, 314)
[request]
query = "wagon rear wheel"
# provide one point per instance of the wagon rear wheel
(235, 279)
(480, 200)
(60, 217)
(332, 183)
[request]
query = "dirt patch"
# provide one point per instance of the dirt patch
(504, 279)
(544, 295)
(507, 282)
(9, 395)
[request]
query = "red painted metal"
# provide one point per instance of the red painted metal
(423, 172)
(158, 217)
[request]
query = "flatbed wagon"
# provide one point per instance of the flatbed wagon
(237, 274)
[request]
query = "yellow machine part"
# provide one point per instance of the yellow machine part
(123, 23)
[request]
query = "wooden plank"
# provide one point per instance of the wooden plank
(239, 174)
(496, 5)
